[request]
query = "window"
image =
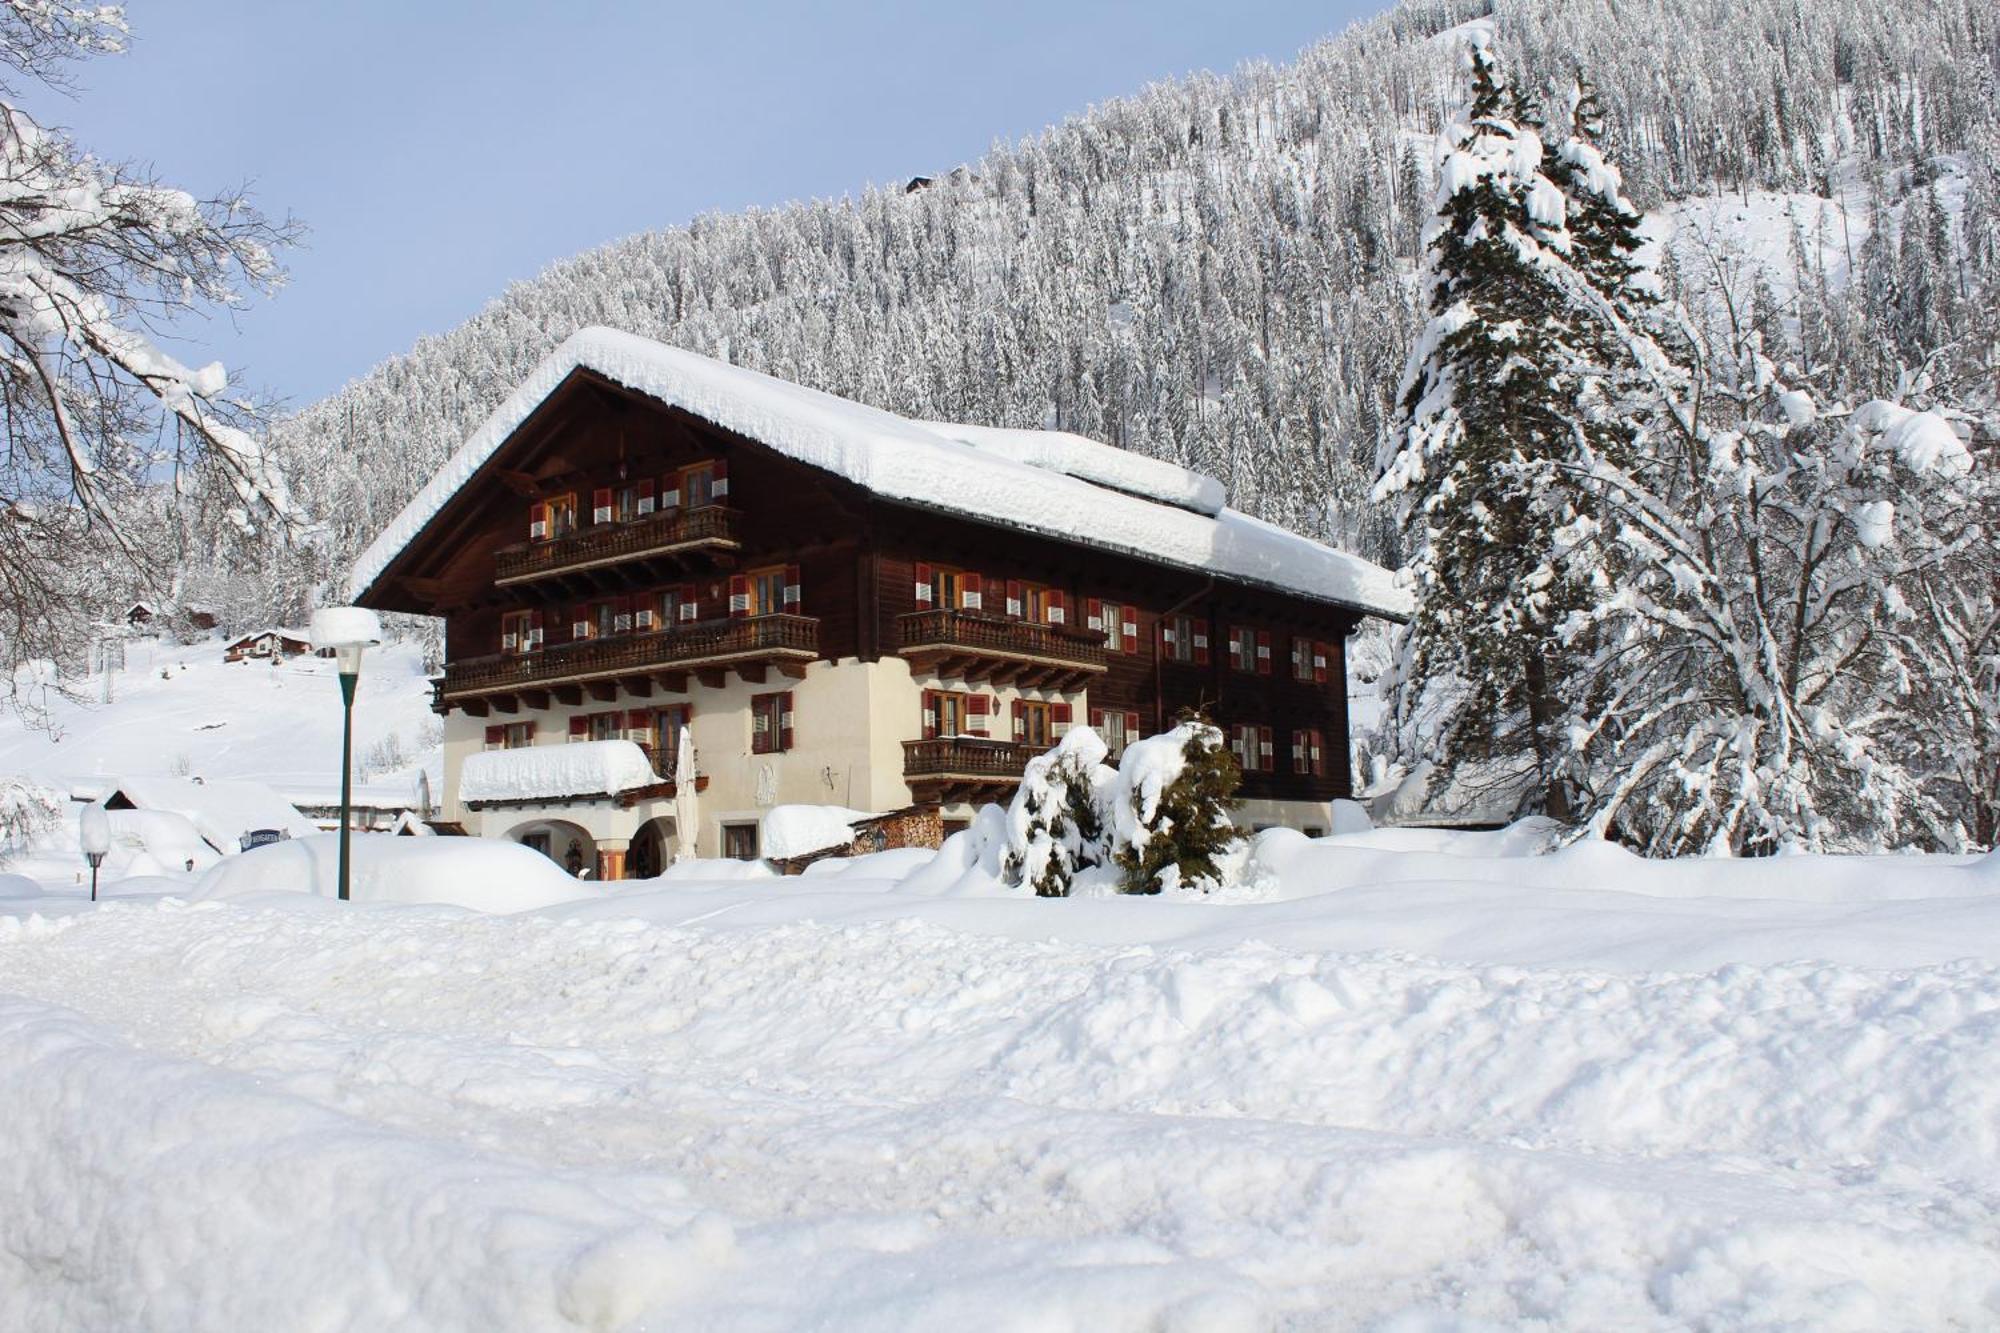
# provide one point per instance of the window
(1184, 639)
(1036, 603)
(697, 487)
(668, 724)
(510, 736)
(1118, 622)
(771, 722)
(1118, 729)
(552, 518)
(1309, 752)
(604, 726)
(520, 631)
(950, 713)
(1039, 724)
(764, 592)
(948, 588)
(1309, 660)
(1251, 744)
(739, 842)
(1250, 650)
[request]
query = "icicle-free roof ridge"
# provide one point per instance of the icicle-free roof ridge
(1072, 490)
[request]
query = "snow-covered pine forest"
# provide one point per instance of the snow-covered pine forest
(1221, 271)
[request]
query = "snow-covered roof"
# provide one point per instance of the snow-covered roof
(296, 635)
(221, 811)
(1055, 484)
(800, 830)
(580, 768)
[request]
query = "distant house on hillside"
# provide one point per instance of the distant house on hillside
(268, 643)
(832, 600)
(148, 616)
(224, 813)
(140, 614)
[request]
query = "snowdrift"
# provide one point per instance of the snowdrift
(479, 873)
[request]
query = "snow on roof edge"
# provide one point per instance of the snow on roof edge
(905, 461)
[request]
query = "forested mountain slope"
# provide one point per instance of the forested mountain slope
(1217, 271)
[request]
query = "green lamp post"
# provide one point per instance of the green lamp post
(346, 631)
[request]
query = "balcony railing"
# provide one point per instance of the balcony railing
(712, 527)
(967, 643)
(711, 643)
(965, 759)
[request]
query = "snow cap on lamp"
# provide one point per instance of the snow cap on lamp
(347, 630)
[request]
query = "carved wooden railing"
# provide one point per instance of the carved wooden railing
(965, 757)
(609, 542)
(632, 654)
(970, 631)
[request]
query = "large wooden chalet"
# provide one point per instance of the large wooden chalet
(844, 607)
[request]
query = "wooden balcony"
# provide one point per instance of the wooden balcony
(967, 645)
(660, 545)
(950, 769)
(505, 682)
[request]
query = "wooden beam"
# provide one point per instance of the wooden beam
(568, 695)
(506, 703)
(536, 699)
(473, 707)
(604, 691)
(790, 669)
(713, 677)
(751, 671)
(673, 682)
(640, 687)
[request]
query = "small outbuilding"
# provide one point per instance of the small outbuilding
(265, 644)
(229, 815)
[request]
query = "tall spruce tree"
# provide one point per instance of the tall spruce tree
(1503, 388)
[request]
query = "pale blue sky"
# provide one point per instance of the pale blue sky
(440, 151)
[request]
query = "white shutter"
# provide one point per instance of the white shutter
(923, 591)
(1014, 606)
(687, 610)
(621, 623)
(971, 600)
(535, 637)
(738, 601)
(509, 642)
(670, 498)
(601, 514)
(792, 594)
(1095, 622)
(645, 504)
(721, 487)
(1131, 629)
(538, 529)
(1056, 614)
(579, 629)
(1200, 639)
(644, 618)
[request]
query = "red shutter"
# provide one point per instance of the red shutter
(721, 479)
(1263, 652)
(670, 494)
(1322, 661)
(1266, 760)
(538, 522)
(690, 600)
(638, 719)
(1130, 629)
(1200, 643)
(1058, 608)
(496, 736)
(1058, 719)
(600, 505)
(973, 594)
(579, 622)
(645, 492)
(1299, 752)
(922, 587)
(579, 725)
(1236, 647)
(534, 631)
(975, 715)
(794, 590)
(784, 707)
(930, 715)
(1017, 605)
(1020, 719)
(1093, 613)
(739, 596)
(1131, 727)
(1097, 720)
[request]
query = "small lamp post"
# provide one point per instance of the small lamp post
(93, 834)
(348, 631)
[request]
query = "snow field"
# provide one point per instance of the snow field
(776, 1103)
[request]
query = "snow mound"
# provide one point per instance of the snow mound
(222, 811)
(583, 768)
(796, 830)
(484, 874)
(907, 461)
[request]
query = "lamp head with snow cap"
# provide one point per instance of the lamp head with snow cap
(348, 631)
(93, 833)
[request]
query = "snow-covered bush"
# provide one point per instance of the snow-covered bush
(27, 809)
(1172, 808)
(1058, 823)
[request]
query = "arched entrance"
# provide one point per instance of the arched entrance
(652, 848)
(567, 844)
